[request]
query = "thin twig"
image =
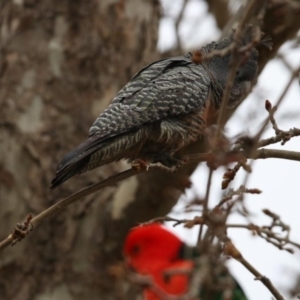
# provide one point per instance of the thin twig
(279, 138)
(282, 241)
(52, 210)
(258, 276)
(251, 7)
(280, 99)
(231, 250)
(215, 220)
(177, 23)
(205, 202)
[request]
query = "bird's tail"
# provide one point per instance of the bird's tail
(68, 172)
(76, 161)
(97, 151)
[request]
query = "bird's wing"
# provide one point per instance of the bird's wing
(172, 279)
(163, 89)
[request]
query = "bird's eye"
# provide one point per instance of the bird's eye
(135, 249)
(237, 73)
(167, 278)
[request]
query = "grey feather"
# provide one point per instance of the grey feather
(160, 110)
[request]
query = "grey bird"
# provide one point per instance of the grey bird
(163, 108)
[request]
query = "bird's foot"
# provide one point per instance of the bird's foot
(140, 164)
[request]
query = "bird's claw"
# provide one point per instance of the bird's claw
(140, 164)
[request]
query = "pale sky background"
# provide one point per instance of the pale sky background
(278, 179)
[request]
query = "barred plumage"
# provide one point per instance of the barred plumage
(163, 108)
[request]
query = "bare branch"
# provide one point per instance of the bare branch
(258, 276)
(229, 157)
(275, 153)
(220, 10)
(177, 23)
(231, 250)
(282, 137)
(251, 7)
(52, 210)
(205, 202)
(280, 99)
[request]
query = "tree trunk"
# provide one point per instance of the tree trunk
(61, 64)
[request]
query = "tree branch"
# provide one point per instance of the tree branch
(258, 276)
(220, 10)
(231, 250)
(16, 235)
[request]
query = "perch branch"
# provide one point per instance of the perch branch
(18, 235)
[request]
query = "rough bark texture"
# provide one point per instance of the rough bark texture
(61, 63)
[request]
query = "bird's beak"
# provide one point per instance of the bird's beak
(129, 265)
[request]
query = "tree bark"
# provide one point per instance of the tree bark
(61, 63)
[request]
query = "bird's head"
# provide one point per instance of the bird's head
(246, 57)
(146, 245)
